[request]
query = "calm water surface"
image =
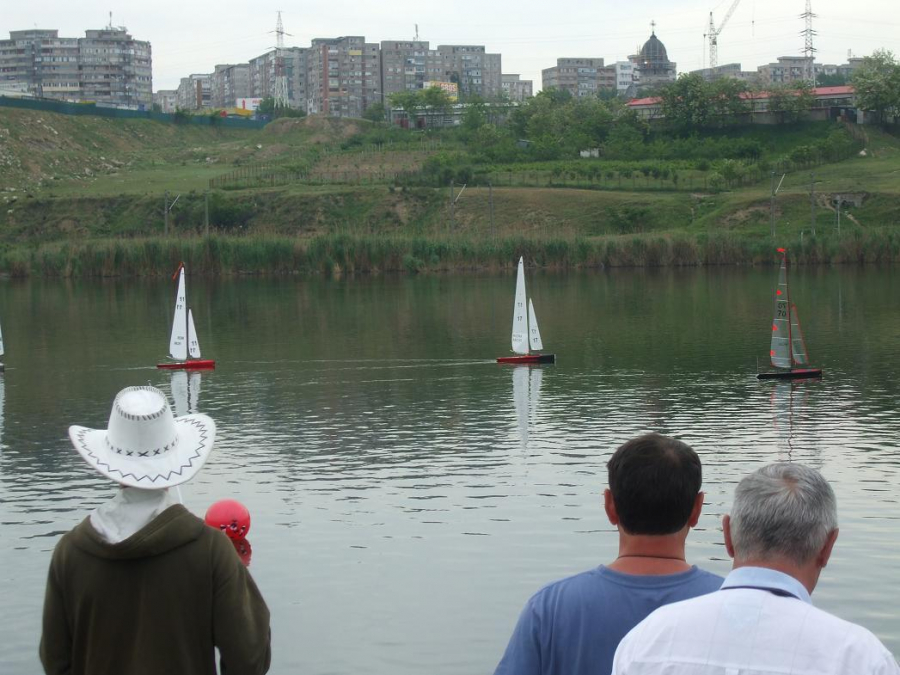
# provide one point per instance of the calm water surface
(407, 493)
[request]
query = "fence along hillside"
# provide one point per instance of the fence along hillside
(66, 108)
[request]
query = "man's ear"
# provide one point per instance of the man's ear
(609, 505)
(726, 531)
(825, 553)
(695, 511)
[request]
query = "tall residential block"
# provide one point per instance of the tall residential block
(515, 88)
(580, 76)
(343, 76)
(470, 66)
(166, 99)
(229, 83)
(194, 92)
(263, 70)
(408, 65)
(405, 66)
(107, 66)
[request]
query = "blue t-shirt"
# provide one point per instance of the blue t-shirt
(573, 626)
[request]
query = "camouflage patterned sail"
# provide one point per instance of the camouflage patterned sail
(780, 352)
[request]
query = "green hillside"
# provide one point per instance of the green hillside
(78, 184)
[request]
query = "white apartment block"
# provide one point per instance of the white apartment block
(624, 77)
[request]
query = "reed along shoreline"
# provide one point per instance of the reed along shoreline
(336, 254)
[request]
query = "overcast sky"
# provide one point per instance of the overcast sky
(192, 36)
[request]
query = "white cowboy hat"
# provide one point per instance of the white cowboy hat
(145, 446)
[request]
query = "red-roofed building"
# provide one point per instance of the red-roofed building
(826, 99)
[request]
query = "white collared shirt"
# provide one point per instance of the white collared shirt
(761, 622)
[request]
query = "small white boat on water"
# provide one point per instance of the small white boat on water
(184, 347)
(526, 336)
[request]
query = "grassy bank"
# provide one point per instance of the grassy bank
(331, 255)
(82, 199)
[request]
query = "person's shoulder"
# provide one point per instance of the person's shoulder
(572, 583)
(833, 627)
(704, 578)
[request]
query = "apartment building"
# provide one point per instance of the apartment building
(229, 83)
(477, 72)
(343, 76)
(115, 68)
(107, 66)
(406, 66)
(166, 99)
(788, 69)
(194, 92)
(579, 76)
(515, 88)
(624, 77)
(728, 70)
(263, 73)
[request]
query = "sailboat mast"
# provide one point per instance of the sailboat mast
(527, 327)
(187, 325)
(787, 287)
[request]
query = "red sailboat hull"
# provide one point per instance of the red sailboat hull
(793, 374)
(528, 358)
(194, 364)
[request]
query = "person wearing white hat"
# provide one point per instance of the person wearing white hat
(142, 586)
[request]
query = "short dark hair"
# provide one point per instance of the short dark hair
(654, 482)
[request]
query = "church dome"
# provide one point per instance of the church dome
(653, 53)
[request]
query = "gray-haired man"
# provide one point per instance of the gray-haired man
(781, 531)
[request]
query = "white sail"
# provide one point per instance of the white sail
(1, 344)
(780, 352)
(520, 321)
(178, 341)
(193, 342)
(798, 344)
(534, 334)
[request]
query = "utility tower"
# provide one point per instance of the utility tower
(808, 50)
(281, 86)
(713, 34)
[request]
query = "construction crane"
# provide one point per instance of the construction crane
(713, 34)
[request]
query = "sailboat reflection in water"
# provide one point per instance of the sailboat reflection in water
(526, 397)
(185, 392)
(789, 400)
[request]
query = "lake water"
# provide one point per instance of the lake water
(407, 493)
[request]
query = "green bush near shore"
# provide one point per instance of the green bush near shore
(367, 254)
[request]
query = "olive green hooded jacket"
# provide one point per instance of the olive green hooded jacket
(158, 602)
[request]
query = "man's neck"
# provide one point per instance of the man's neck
(808, 575)
(651, 554)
